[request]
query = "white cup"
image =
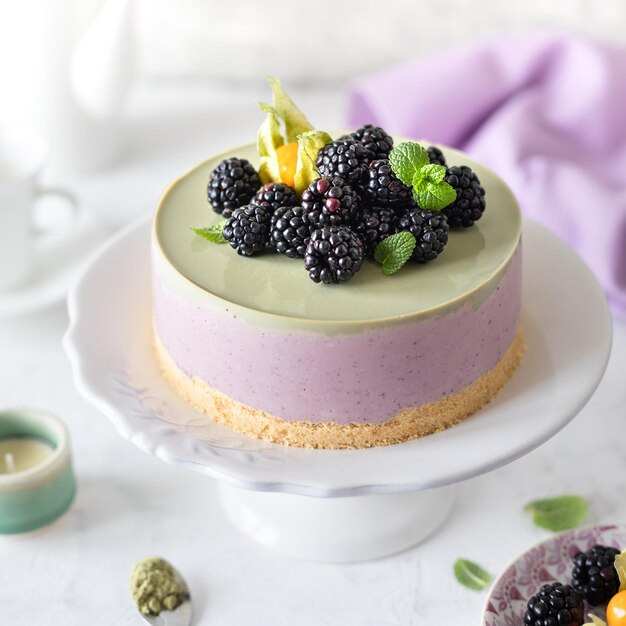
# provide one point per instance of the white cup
(23, 154)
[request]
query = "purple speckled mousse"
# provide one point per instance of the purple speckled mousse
(362, 378)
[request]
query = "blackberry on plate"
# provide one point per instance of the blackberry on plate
(470, 197)
(376, 224)
(346, 158)
(374, 139)
(594, 575)
(248, 229)
(384, 188)
(430, 230)
(330, 201)
(334, 254)
(555, 605)
(231, 185)
(274, 195)
(289, 234)
(436, 156)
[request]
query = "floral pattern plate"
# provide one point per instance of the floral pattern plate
(549, 561)
(567, 328)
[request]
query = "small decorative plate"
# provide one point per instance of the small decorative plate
(567, 328)
(547, 562)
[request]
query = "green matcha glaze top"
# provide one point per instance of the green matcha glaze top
(271, 284)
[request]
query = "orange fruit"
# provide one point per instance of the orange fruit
(616, 611)
(287, 156)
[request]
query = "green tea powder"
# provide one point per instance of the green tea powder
(153, 586)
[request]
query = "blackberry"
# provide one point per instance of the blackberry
(289, 234)
(330, 201)
(436, 156)
(231, 185)
(374, 139)
(384, 188)
(334, 254)
(470, 197)
(346, 158)
(555, 605)
(248, 229)
(430, 230)
(595, 576)
(274, 195)
(376, 224)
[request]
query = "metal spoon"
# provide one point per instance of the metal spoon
(181, 615)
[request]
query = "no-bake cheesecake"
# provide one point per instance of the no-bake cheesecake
(410, 321)
(375, 361)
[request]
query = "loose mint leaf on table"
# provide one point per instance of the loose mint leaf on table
(560, 513)
(407, 159)
(212, 233)
(392, 253)
(471, 575)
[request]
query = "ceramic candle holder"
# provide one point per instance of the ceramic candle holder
(36, 477)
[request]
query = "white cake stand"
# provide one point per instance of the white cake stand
(339, 505)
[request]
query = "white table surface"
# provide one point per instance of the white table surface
(130, 505)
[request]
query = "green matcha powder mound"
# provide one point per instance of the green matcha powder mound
(153, 586)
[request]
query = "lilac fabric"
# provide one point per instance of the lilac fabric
(547, 112)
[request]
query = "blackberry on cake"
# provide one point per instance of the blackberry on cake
(376, 224)
(334, 254)
(594, 575)
(384, 188)
(555, 605)
(470, 197)
(330, 201)
(346, 158)
(375, 140)
(430, 229)
(436, 156)
(231, 185)
(274, 195)
(289, 235)
(248, 229)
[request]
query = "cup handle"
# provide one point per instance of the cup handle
(63, 225)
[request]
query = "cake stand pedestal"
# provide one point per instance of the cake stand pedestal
(337, 530)
(338, 505)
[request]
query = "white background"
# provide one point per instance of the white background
(312, 43)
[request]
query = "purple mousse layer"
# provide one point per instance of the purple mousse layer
(362, 378)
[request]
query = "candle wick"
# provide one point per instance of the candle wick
(9, 462)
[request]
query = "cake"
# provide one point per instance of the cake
(421, 328)
(379, 360)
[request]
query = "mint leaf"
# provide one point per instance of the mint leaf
(471, 575)
(433, 173)
(411, 164)
(212, 233)
(433, 196)
(406, 159)
(392, 253)
(595, 621)
(560, 513)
